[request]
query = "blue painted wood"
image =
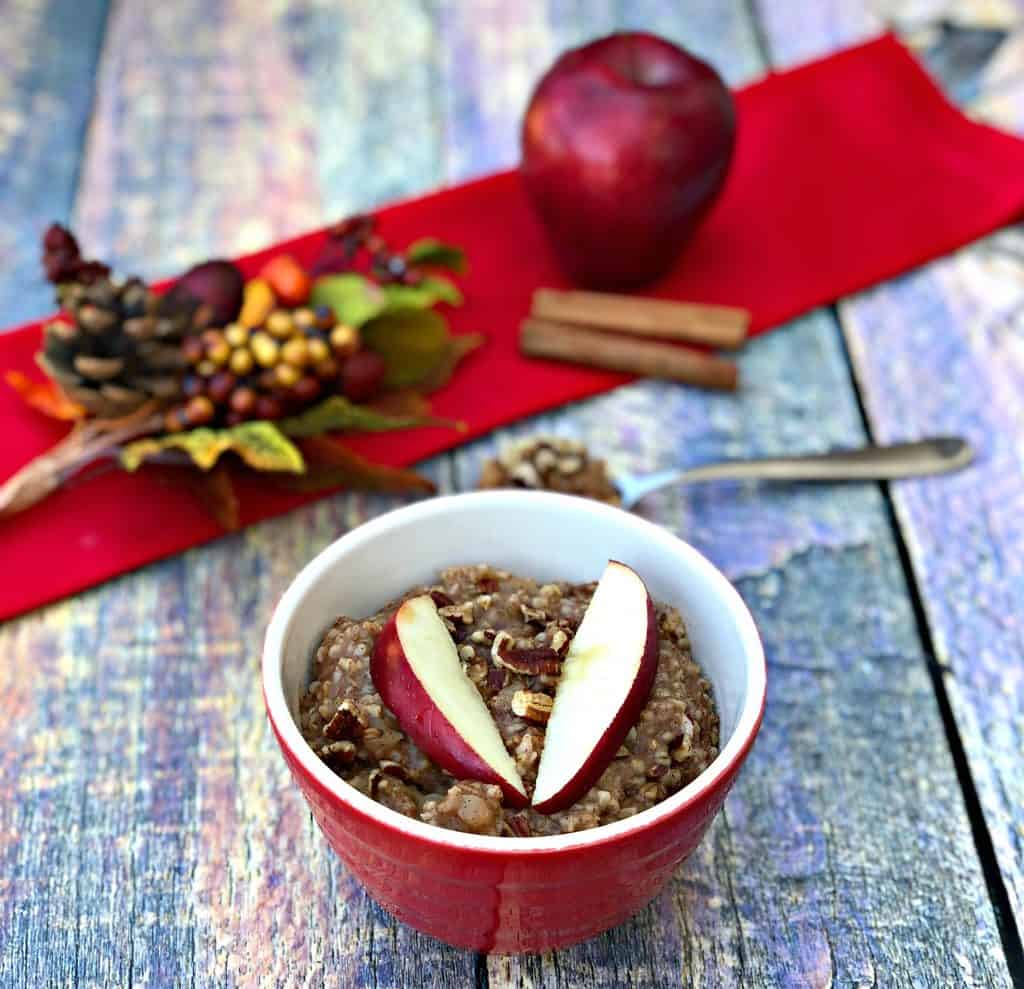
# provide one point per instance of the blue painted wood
(48, 57)
(939, 351)
(850, 800)
(149, 832)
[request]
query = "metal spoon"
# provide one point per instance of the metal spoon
(936, 455)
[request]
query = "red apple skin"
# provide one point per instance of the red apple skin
(408, 701)
(603, 753)
(626, 144)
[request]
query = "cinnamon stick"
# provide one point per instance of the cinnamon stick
(580, 345)
(717, 326)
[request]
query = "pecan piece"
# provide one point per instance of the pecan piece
(458, 612)
(529, 662)
(533, 616)
(440, 599)
(395, 769)
(519, 825)
(374, 781)
(532, 706)
(347, 724)
(496, 677)
(338, 754)
(560, 640)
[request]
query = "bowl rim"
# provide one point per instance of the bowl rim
(290, 737)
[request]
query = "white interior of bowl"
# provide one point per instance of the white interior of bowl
(546, 536)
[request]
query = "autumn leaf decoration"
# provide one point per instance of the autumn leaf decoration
(220, 375)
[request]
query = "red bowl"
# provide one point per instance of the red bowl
(510, 895)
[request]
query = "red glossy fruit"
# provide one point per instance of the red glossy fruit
(418, 675)
(290, 282)
(217, 283)
(606, 680)
(362, 375)
(626, 144)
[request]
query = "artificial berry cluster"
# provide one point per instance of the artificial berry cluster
(63, 261)
(273, 369)
(354, 242)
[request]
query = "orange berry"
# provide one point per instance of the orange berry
(288, 279)
(344, 340)
(258, 301)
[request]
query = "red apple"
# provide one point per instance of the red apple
(606, 680)
(626, 144)
(417, 673)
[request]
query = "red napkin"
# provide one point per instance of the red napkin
(847, 171)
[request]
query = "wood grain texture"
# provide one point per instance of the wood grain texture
(149, 833)
(941, 350)
(45, 101)
(958, 328)
(840, 856)
(731, 920)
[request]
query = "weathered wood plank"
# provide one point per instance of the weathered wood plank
(45, 102)
(150, 834)
(841, 854)
(191, 852)
(939, 350)
(956, 326)
(844, 852)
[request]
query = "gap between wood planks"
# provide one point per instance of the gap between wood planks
(1013, 947)
(481, 978)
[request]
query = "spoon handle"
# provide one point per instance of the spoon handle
(936, 455)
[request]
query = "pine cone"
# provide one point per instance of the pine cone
(123, 347)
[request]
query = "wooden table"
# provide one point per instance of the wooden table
(149, 832)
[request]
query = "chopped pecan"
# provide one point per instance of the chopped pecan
(373, 782)
(458, 612)
(532, 706)
(532, 661)
(487, 583)
(519, 825)
(485, 636)
(525, 475)
(657, 771)
(560, 640)
(347, 724)
(337, 754)
(533, 616)
(496, 677)
(395, 769)
(440, 599)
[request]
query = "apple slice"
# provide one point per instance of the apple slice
(416, 670)
(606, 679)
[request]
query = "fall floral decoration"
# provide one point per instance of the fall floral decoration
(221, 374)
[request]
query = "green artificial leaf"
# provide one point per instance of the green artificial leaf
(455, 349)
(353, 298)
(411, 341)
(336, 414)
(260, 444)
(434, 253)
(427, 292)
